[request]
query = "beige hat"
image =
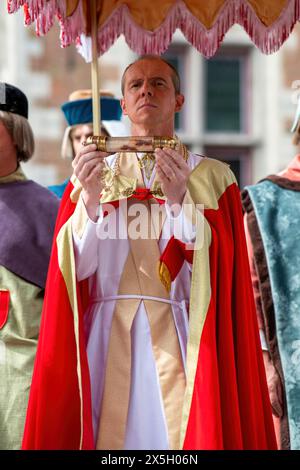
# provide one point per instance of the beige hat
(78, 111)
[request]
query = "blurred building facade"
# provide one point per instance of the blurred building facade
(239, 105)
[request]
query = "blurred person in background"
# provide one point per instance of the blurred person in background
(27, 212)
(78, 111)
(272, 221)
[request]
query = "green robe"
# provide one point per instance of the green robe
(18, 341)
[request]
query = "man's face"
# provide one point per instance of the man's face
(80, 134)
(7, 146)
(149, 94)
(8, 152)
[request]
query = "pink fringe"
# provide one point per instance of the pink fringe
(267, 39)
(43, 12)
(72, 27)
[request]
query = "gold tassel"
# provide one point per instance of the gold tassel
(164, 275)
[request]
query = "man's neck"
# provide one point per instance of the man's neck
(144, 130)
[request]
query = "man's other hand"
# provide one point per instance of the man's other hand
(173, 173)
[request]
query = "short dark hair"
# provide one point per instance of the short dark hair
(175, 76)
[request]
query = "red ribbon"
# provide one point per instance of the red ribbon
(143, 194)
(4, 306)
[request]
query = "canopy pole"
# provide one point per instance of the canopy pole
(95, 71)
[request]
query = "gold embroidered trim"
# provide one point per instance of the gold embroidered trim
(147, 163)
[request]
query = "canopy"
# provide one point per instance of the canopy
(148, 26)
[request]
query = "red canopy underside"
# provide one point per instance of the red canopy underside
(148, 26)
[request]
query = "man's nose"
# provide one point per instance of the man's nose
(147, 90)
(83, 138)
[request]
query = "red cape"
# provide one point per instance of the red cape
(229, 405)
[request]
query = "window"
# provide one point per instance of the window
(238, 158)
(225, 90)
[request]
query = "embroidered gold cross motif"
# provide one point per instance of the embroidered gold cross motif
(147, 163)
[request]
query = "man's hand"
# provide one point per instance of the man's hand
(173, 173)
(274, 386)
(88, 167)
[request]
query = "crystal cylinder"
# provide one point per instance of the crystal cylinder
(131, 144)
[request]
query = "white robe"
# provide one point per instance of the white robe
(102, 261)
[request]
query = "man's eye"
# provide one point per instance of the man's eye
(134, 85)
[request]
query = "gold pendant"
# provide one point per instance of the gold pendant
(147, 163)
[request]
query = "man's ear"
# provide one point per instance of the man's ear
(179, 102)
(123, 106)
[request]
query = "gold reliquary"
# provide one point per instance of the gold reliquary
(131, 144)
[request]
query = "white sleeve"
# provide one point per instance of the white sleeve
(263, 341)
(182, 227)
(182, 220)
(85, 241)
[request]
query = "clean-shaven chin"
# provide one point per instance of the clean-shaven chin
(147, 110)
(147, 105)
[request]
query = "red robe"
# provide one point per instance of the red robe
(227, 403)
